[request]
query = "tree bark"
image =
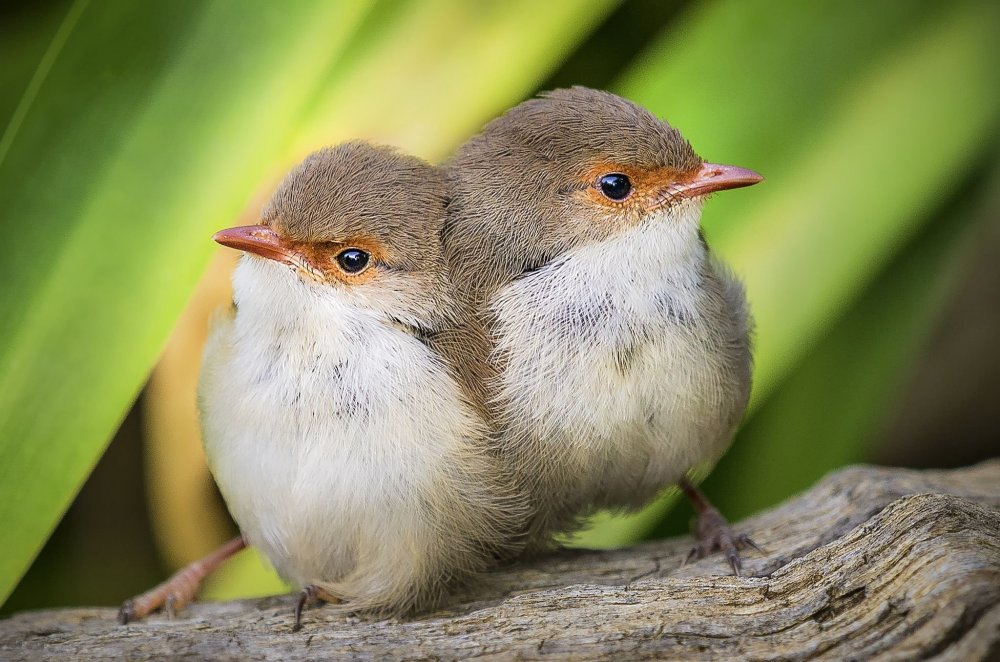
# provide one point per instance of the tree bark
(870, 562)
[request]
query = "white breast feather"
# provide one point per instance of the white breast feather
(616, 424)
(334, 437)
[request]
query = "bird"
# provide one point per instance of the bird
(345, 445)
(608, 346)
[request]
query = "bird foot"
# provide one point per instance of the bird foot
(309, 596)
(715, 535)
(172, 596)
(182, 587)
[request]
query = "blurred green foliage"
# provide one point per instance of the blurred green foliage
(132, 130)
(142, 126)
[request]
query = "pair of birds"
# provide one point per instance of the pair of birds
(427, 369)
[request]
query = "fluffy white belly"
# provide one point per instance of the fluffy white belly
(335, 446)
(610, 368)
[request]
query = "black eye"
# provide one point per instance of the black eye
(352, 260)
(615, 186)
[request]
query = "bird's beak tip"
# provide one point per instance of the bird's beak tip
(721, 177)
(257, 239)
(713, 177)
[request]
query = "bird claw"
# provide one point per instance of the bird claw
(126, 612)
(308, 596)
(173, 604)
(167, 597)
(715, 535)
(182, 587)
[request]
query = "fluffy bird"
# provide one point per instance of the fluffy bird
(343, 443)
(606, 344)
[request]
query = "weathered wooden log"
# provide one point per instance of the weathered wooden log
(870, 562)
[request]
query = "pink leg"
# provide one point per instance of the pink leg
(181, 588)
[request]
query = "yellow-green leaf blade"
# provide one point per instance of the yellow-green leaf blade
(152, 128)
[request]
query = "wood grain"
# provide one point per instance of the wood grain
(869, 563)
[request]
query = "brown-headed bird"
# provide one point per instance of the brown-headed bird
(345, 447)
(610, 349)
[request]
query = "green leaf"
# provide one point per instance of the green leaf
(853, 164)
(146, 127)
(451, 66)
(24, 38)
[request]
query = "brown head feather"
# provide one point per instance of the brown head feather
(534, 164)
(355, 189)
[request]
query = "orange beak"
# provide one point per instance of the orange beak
(711, 177)
(714, 177)
(259, 240)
